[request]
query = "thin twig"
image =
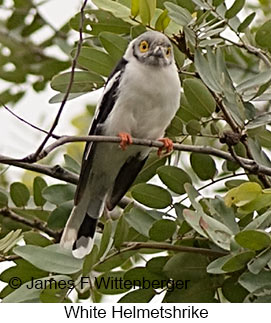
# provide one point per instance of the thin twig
(130, 246)
(36, 224)
(74, 63)
(213, 182)
(27, 122)
(9, 258)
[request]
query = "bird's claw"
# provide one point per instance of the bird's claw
(168, 146)
(126, 140)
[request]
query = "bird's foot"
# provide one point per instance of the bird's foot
(168, 146)
(126, 140)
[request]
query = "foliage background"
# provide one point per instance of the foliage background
(207, 206)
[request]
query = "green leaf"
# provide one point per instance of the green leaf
(203, 165)
(261, 222)
(253, 239)
(255, 81)
(38, 185)
(149, 170)
(26, 295)
(193, 127)
(138, 296)
(199, 97)
(163, 21)
(222, 213)
(134, 7)
(97, 21)
(174, 178)
(90, 260)
(193, 218)
(175, 128)
(215, 267)
(259, 121)
(246, 22)
(115, 45)
(71, 164)
(50, 259)
(3, 199)
(259, 261)
(151, 195)
(37, 239)
(121, 232)
(178, 14)
(95, 60)
(106, 241)
(82, 82)
(207, 72)
(253, 282)
(24, 270)
(58, 98)
(156, 264)
(162, 230)
(19, 194)
(233, 291)
(260, 202)
(243, 194)
(216, 3)
(117, 9)
(59, 193)
(146, 10)
(60, 215)
(216, 231)
(140, 220)
(261, 295)
(57, 294)
(238, 261)
(263, 35)
(137, 30)
(10, 240)
(235, 8)
(186, 266)
(113, 262)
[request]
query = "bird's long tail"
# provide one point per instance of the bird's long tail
(80, 228)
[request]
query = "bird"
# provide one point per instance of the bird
(140, 98)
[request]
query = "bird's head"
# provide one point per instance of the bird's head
(151, 48)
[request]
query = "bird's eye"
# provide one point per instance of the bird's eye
(144, 46)
(168, 52)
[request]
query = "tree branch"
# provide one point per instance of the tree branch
(60, 173)
(53, 171)
(129, 246)
(74, 63)
(6, 212)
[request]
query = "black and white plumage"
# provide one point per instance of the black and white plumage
(140, 98)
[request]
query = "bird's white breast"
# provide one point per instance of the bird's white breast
(148, 99)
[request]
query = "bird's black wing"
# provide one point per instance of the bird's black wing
(124, 180)
(104, 109)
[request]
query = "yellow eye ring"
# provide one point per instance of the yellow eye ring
(144, 46)
(168, 52)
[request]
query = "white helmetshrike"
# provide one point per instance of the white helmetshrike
(140, 98)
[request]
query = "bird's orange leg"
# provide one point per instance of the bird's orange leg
(168, 146)
(126, 140)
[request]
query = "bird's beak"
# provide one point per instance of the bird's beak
(158, 52)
